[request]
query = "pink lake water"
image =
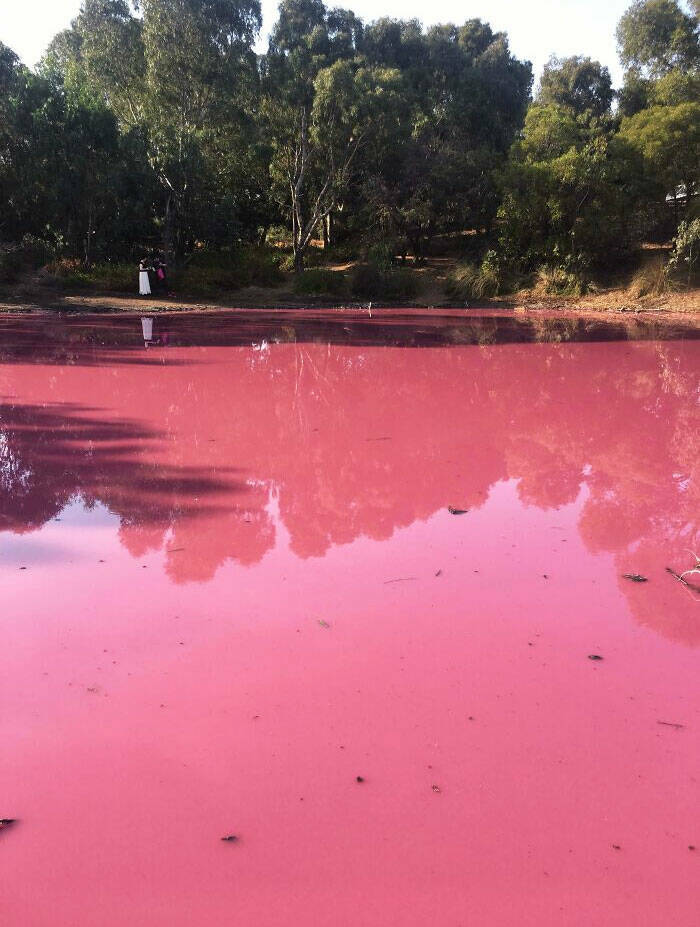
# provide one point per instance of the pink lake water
(231, 585)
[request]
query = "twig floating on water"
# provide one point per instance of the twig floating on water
(678, 727)
(438, 573)
(385, 438)
(676, 576)
(454, 511)
(231, 838)
(635, 577)
(400, 579)
(594, 656)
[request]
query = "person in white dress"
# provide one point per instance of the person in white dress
(144, 282)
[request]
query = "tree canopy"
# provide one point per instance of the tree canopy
(155, 124)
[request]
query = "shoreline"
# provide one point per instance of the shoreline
(673, 309)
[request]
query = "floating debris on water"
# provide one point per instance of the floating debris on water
(231, 838)
(594, 656)
(454, 511)
(436, 788)
(671, 724)
(635, 577)
(359, 779)
(323, 624)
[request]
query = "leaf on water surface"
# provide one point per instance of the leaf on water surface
(439, 573)
(594, 656)
(453, 511)
(324, 624)
(635, 577)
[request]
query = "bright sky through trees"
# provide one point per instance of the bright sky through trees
(537, 29)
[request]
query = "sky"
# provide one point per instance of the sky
(537, 29)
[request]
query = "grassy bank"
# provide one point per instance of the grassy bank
(250, 276)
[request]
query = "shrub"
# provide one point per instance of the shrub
(319, 282)
(685, 257)
(112, 277)
(558, 281)
(208, 273)
(368, 281)
(471, 281)
(30, 254)
(230, 270)
(649, 280)
(381, 255)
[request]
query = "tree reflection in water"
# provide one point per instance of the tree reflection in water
(189, 446)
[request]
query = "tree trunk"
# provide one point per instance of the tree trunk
(169, 229)
(326, 226)
(88, 237)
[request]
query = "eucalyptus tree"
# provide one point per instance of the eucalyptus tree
(580, 84)
(659, 43)
(322, 103)
(181, 74)
(668, 137)
(466, 99)
(658, 36)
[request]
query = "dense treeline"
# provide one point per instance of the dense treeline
(155, 124)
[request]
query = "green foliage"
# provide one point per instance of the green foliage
(369, 281)
(656, 36)
(381, 255)
(550, 131)
(581, 209)
(668, 137)
(320, 282)
(207, 274)
(685, 257)
(471, 281)
(464, 100)
(30, 254)
(108, 276)
(155, 125)
(579, 84)
(558, 281)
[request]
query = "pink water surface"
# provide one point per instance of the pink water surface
(231, 585)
